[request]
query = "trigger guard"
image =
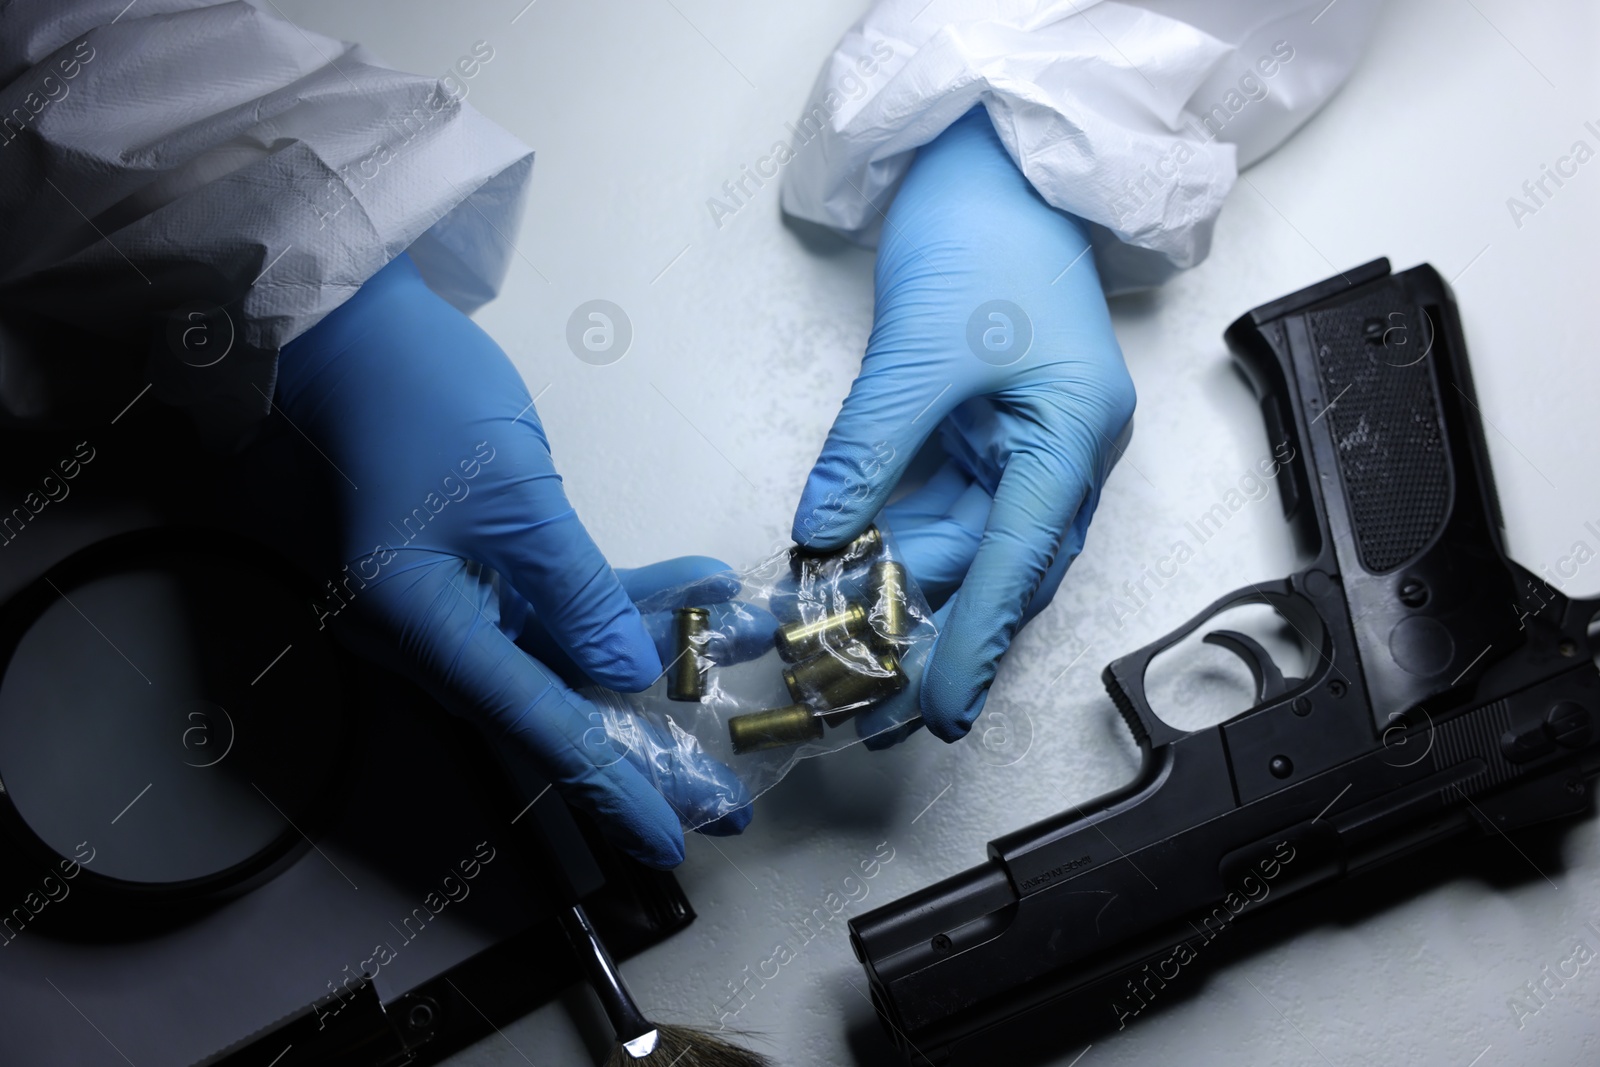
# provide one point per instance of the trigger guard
(1124, 677)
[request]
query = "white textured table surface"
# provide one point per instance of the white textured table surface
(745, 340)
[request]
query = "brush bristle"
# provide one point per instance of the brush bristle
(684, 1046)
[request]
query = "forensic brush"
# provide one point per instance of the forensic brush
(639, 1042)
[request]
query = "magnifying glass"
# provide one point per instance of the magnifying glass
(173, 724)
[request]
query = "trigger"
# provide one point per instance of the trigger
(1270, 683)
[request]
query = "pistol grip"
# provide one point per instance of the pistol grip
(1366, 376)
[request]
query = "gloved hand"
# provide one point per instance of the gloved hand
(454, 544)
(990, 324)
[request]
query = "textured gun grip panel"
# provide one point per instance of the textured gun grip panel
(1141, 736)
(1386, 422)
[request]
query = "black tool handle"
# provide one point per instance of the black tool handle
(604, 977)
(549, 828)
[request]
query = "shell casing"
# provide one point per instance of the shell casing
(891, 614)
(839, 687)
(800, 640)
(866, 545)
(774, 728)
(686, 679)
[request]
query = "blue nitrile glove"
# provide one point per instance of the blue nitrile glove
(990, 324)
(937, 528)
(454, 542)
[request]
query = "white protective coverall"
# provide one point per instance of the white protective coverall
(179, 154)
(1134, 115)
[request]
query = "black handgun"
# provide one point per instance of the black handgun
(1449, 691)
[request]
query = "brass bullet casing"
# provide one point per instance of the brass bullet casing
(891, 614)
(865, 546)
(801, 640)
(838, 687)
(774, 728)
(686, 678)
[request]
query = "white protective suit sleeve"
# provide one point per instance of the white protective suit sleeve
(1134, 115)
(199, 183)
